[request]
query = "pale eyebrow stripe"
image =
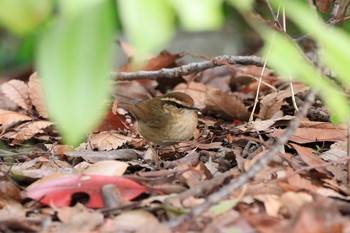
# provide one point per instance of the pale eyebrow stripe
(175, 100)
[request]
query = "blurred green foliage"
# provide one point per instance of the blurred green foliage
(72, 46)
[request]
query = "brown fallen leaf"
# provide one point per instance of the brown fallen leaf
(78, 219)
(27, 130)
(270, 105)
(227, 103)
(264, 125)
(231, 221)
(9, 191)
(140, 221)
(112, 121)
(164, 60)
(17, 91)
(95, 156)
(301, 183)
(107, 140)
(41, 167)
(309, 157)
(35, 93)
(9, 117)
(316, 132)
(196, 90)
(316, 218)
(132, 91)
(107, 168)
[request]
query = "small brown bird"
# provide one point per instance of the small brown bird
(165, 120)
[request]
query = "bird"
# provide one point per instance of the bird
(165, 120)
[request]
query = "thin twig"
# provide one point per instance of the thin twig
(256, 101)
(290, 76)
(335, 13)
(274, 15)
(227, 190)
(189, 68)
(262, 72)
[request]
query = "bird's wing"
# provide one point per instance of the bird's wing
(152, 118)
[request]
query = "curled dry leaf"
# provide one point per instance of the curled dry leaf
(163, 60)
(27, 130)
(108, 140)
(35, 93)
(9, 117)
(226, 102)
(17, 91)
(270, 105)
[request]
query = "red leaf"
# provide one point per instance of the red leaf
(59, 191)
(112, 122)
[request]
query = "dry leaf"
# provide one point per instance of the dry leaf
(112, 121)
(78, 219)
(164, 60)
(127, 50)
(263, 125)
(132, 91)
(27, 130)
(218, 100)
(317, 217)
(316, 132)
(107, 168)
(196, 90)
(17, 91)
(35, 93)
(309, 157)
(9, 117)
(108, 140)
(139, 221)
(270, 105)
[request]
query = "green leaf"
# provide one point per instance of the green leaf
(73, 61)
(288, 60)
(149, 24)
(334, 43)
(71, 8)
(23, 16)
(223, 206)
(199, 15)
(335, 119)
(245, 5)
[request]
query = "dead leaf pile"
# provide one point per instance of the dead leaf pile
(28, 122)
(115, 182)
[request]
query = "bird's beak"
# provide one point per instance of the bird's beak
(195, 108)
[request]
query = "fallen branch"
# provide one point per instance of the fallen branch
(189, 68)
(227, 190)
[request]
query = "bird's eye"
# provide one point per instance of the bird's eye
(178, 105)
(174, 103)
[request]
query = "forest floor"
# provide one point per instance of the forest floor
(113, 182)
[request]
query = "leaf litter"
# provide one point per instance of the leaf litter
(307, 182)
